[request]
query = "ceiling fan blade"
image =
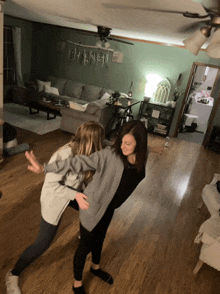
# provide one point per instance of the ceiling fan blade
(75, 20)
(119, 40)
(127, 7)
(193, 27)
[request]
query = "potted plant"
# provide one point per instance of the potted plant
(115, 97)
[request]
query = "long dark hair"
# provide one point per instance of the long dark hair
(137, 129)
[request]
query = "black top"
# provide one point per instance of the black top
(129, 181)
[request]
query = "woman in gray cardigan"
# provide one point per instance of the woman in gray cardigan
(118, 171)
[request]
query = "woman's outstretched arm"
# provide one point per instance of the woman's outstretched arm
(76, 164)
(35, 166)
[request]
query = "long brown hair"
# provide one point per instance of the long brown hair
(89, 138)
(137, 129)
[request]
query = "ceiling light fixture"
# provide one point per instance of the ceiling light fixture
(107, 45)
(213, 50)
(195, 42)
(99, 44)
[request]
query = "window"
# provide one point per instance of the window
(9, 59)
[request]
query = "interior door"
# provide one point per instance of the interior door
(185, 103)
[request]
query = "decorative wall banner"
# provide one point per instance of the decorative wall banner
(89, 54)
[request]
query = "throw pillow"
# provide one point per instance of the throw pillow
(51, 90)
(41, 85)
(105, 96)
(77, 106)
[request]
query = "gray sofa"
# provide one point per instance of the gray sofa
(81, 94)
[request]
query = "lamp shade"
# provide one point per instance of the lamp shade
(213, 50)
(99, 44)
(195, 42)
(107, 45)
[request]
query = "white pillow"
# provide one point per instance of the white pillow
(77, 106)
(41, 85)
(51, 90)
(105, 96)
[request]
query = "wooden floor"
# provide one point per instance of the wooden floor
(149, 248)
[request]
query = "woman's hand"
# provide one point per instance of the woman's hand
(81, 200)
(35, 166)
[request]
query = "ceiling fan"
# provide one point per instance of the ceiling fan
(104, 34)
(212, 11)
(194, 42)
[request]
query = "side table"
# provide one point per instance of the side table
(119, 118)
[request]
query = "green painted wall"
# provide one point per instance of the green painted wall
(138, 61)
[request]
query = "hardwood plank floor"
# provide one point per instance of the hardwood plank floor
(149, 248)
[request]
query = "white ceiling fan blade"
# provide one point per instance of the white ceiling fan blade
(76, 20)
(127, 7)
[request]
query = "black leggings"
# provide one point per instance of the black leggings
(91, 242)
(45, 237)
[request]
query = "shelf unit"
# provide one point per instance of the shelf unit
(154, 114)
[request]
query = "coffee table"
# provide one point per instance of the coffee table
(48, 106)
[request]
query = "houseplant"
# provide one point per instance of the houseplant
(115, 97)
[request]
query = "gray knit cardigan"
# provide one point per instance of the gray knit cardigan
(108, 169)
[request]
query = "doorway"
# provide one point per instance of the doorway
(198, 106)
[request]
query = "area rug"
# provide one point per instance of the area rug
(19, 116)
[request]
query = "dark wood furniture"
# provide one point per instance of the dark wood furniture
(21, 96)
(156, 114)
(46, 106)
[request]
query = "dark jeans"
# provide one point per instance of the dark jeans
(45, 237)
(91, 242)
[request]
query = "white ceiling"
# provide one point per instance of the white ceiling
(131, 23)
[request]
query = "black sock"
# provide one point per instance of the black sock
(102, 275)
(218, 186)
(14, 273)
(79, 290)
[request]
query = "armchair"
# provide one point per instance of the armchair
(209, 231)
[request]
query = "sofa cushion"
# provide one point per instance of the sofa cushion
(105, 96)
(57, 83)
(51, 90)
(95, 106)
(76, 106)
(91, 93)
(68, 99)
(73, 89)
(109, 91)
